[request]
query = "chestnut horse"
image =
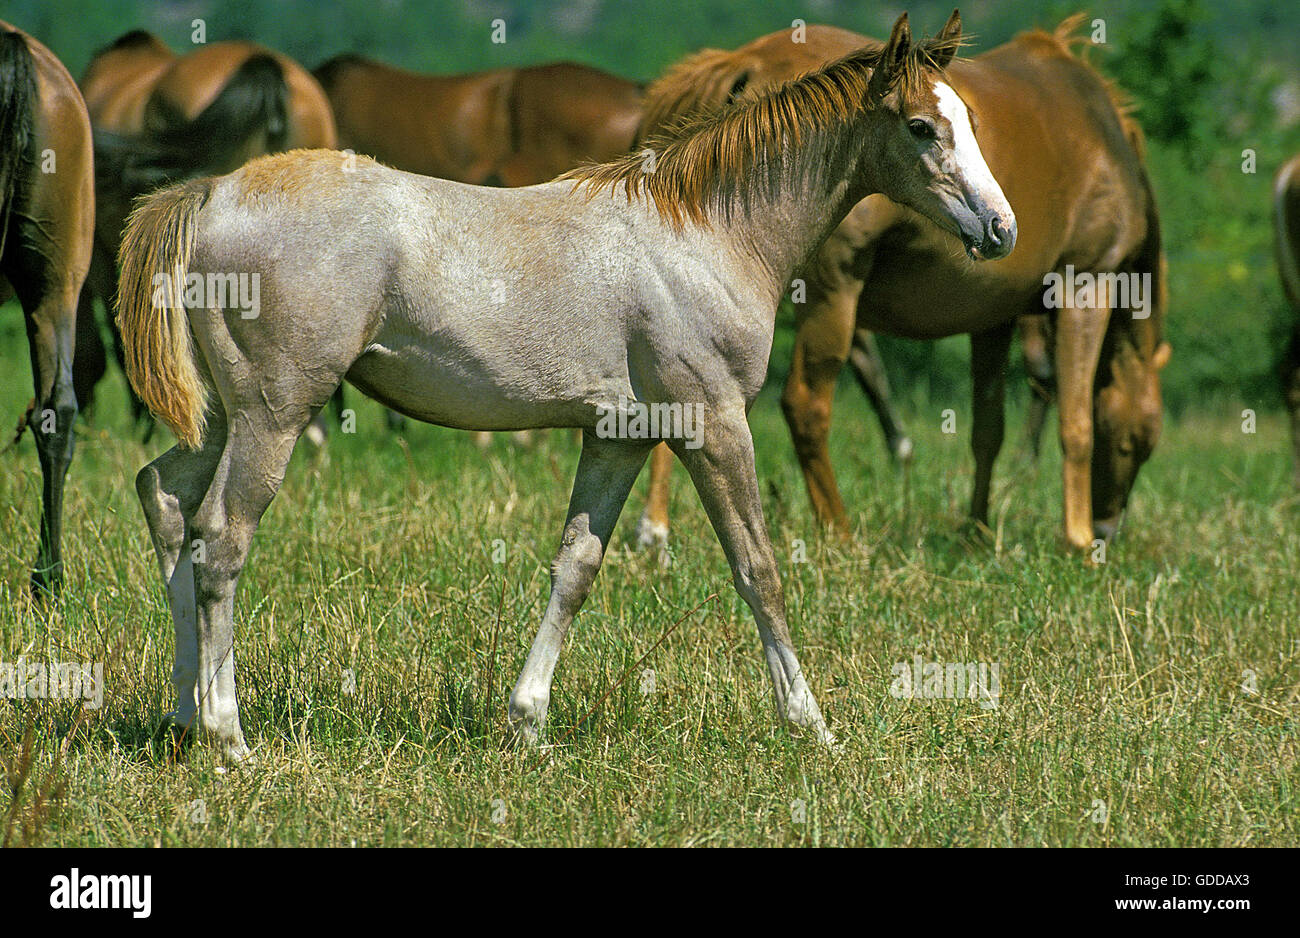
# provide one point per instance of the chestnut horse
(160, 118)
(1286, 228)
(47, 220)
(507, 127)
(1070, 159)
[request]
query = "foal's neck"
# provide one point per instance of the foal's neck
(819, 182)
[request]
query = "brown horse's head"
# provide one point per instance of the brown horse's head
(1127, 410)
(926, 151)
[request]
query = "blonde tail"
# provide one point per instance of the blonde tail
(151, 315)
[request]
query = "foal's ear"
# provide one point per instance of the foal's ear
(947, 41)
(892, 58)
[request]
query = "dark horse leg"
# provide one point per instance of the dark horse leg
(90, 363)
(51, 317)
(869, 369)
(1291, 392)
(46, 255)
(1036, 346)
(988, 368)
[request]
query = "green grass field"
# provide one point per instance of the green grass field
(1149, 700)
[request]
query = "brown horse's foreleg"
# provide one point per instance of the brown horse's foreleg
(1035, 347)
(51, 334)
(988, 368)
(821, 346)
(869, 369)
(652, 530)
(1079, 335)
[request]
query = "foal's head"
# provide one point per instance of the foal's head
(922, 151)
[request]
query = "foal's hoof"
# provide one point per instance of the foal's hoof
(236, 753)
(525, 727)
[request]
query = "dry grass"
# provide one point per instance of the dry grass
(1121, 684)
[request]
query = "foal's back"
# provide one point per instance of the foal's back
(447, 301)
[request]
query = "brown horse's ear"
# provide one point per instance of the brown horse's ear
(738, 86)
(892, 58)
(948, 40)
(1161, 357)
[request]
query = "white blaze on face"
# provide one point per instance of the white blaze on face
(966, 152)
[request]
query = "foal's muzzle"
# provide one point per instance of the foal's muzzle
(996, 239)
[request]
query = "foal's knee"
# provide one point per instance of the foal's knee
(578, 560)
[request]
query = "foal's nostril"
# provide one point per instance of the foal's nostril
(1000, 236)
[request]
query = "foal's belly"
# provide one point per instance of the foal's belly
(452, 390)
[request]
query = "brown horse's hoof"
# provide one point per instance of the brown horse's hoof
(975, 533)
(47, 583)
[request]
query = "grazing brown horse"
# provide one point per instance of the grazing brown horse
(161, 118)
(508, 127)
(1070, 160)
(46, 223)
(1286, 227)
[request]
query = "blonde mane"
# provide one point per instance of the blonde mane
(704, 163)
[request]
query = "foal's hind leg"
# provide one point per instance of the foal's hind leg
(723, 472)
(170, 489)
(605, 475)
(259, 443)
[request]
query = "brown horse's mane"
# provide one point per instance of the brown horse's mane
(1067, 38)
(1151, 255)
(702, 162)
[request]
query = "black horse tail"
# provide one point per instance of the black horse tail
(252, 107)
(18, 91)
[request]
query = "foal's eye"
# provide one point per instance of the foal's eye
(921, 129)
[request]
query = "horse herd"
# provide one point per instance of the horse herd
(542, 247)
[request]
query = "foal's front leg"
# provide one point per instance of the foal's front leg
(723, 473)
(605, 475)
